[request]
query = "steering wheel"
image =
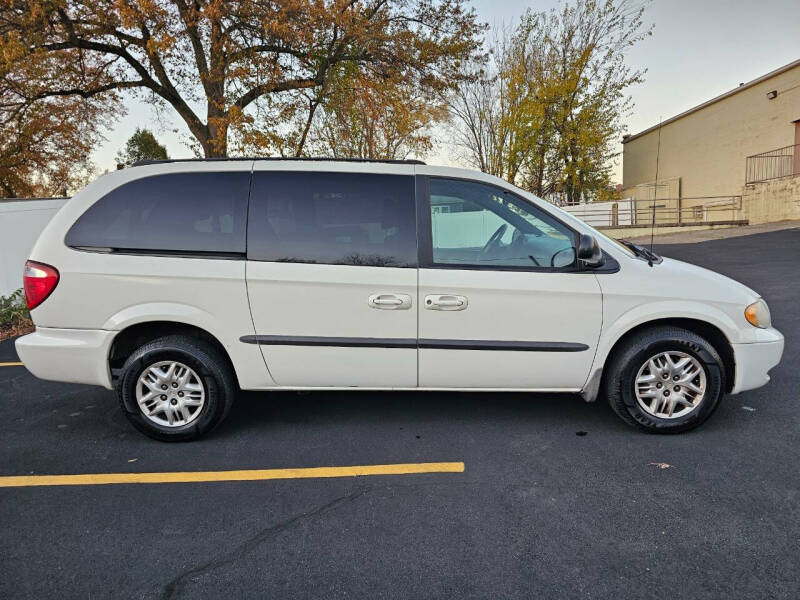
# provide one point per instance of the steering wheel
(493, 241)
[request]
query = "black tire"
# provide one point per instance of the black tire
(212, 369)
(620, 377)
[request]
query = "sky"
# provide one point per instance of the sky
(699, 49)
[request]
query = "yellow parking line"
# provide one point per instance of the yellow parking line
(16, 364)
(254, 475)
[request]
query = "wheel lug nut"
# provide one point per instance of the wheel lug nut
(174, 385)
(163, 396)
(665, 376)
(677, 388)
(173, 402)
(659, 386)
(666, 392)
(675, 378)
(163, 387)
(180, 394)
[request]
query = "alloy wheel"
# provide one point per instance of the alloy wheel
(670, 385)
(170, 394)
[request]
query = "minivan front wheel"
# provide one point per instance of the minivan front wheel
(665, 380)
(176, 388)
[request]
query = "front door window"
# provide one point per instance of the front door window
(478, 225)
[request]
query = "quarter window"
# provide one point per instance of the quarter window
(180, 212)
(479, 225)
(333, 218)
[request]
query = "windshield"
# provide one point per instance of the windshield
(617, 243)
(569, 216)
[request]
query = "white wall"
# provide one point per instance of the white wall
(21, 222)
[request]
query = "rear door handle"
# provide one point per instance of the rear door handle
(390, 301)
(446, 302)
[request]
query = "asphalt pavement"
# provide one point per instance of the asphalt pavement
(558, 498)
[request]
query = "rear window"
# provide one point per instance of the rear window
(180, 212)
(333, 218)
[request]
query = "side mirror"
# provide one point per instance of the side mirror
(589, 252)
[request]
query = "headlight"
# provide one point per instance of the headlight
(757, 314)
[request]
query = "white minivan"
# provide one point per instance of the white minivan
(179, 282)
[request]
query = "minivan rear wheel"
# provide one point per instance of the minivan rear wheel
(176, 388)
(665, 380)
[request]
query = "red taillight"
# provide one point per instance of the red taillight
(39, 281)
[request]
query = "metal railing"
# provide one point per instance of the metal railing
(773, 164)
(669, 212)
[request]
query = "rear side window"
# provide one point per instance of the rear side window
(333, 218)
(180, 212)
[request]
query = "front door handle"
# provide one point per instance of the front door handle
(446, 302)
(390, 301)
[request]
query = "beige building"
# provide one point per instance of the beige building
(716, 153)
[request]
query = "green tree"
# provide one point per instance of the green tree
(142, 145)
(547, 112)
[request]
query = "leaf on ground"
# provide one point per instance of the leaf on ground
(660, 465)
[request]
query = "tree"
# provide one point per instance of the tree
(484, 109)
(45, 139)
(375, 119)
(239, 60)
(44, 147)
(142, 145)
(548, 112)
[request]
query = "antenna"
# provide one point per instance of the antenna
(655, 189)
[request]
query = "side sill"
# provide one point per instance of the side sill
(414, 389)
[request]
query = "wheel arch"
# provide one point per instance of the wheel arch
(133, 336)
(715, 336)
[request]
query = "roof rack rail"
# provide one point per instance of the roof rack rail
(140, 163)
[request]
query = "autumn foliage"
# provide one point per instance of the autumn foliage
(382, 118)
(45, 137)
(246, 73)
(342, 78)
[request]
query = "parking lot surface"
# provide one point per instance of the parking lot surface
(558, 498)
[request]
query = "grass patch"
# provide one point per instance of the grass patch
(15, 320)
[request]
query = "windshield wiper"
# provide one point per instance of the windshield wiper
(645, 253)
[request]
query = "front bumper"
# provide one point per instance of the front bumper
(754, 361)
(71, 355)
